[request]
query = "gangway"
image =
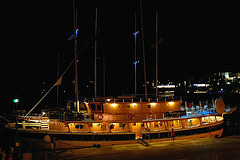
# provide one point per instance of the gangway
(140, 140)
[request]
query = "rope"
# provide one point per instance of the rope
(58, 79)
(72, 144)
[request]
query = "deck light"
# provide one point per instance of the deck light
(134, 104)
(171, 103)
(153, 104)
(114, 104)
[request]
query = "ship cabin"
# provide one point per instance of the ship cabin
(132, 110)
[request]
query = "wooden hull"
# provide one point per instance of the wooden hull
(34, 138)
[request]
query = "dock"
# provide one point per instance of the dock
(181, 149)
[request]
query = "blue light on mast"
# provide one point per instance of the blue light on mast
(76, 32)
(135, 34)
(72, 36)
(135, 63)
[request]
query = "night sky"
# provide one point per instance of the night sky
(199, 38)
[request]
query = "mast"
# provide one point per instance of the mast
(95, 60)
(135, 53)
(75, 54)
(156, 54)
(58, 65)
(143, 47)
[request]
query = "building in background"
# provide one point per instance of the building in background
(220, 83)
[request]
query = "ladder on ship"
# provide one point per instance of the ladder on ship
(45, 123)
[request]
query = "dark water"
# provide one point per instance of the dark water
(232, 123)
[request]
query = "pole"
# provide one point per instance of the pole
(75, 54)
(17, 146)
(135, 55)
(143, 47)
(95, 59)
(104, 78)
(156, 54)
(57, 79)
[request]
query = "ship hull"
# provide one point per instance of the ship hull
(34, 138)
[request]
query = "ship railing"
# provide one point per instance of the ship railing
(132, 99)
(211, 118)
(25, 125)
(130, 116)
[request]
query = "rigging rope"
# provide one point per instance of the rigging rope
(55, 84)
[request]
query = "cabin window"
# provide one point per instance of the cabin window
(156, 124)
(176, 122)
(103, 127)
(148, 106)
(93, 106)
(81, 126)
(128, 108)
(107, 106)
(77, 126)
(99, 107)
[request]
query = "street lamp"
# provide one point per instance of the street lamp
(16, 100)
(17, 146)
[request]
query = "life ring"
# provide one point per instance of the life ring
(100, 116)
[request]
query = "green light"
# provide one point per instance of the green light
(15, 100)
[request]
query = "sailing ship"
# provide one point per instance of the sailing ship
(108, 120)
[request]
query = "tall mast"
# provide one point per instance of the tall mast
(135, 53)
(95, 59)
(75, 54)
(156, 54)
(58, 68)
(143, 47)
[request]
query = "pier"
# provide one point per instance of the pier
(187, 149)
